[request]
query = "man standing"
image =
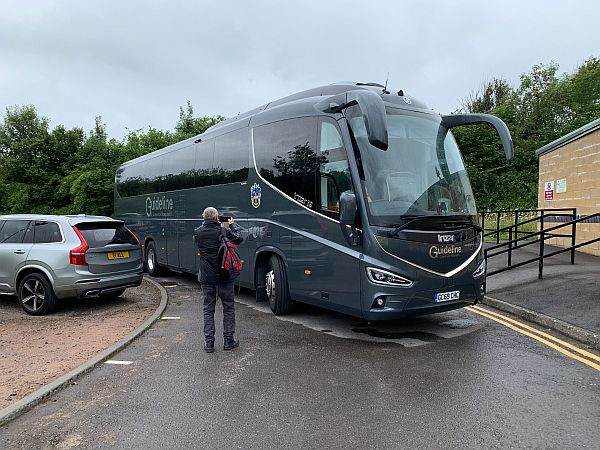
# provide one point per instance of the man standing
(208, 240)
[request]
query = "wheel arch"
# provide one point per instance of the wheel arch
(26, 270)
(261, 258)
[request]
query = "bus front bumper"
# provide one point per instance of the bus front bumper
(419, 303)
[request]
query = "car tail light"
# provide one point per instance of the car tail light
(77, 255)
(134, 236)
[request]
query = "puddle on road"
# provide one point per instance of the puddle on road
(421, 335)
(412, 332)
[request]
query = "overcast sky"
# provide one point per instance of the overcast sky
(135, 62)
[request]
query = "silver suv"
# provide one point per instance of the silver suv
(47, 258)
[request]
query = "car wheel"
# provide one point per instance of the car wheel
(152, 266)
(36, 295)
(276, 285)
(112, 294)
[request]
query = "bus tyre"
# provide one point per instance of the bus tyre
(277, 289)
(151, 263)
(36, 295)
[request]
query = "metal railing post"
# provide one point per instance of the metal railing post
(541, 262)
(516, 225)
(497, 227)
(483, 224)
(573, 236)
(510, 244)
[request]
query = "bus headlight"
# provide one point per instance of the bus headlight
(480, 270)
(380, 276)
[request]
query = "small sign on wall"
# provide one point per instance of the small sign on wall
(561, 186)
(549, 191)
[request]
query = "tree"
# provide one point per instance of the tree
(189, 126)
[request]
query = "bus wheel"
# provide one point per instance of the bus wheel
(151, 263)
(276, 285)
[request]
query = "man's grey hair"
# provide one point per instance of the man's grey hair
(210, 213)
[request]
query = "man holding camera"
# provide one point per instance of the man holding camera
(208, 241)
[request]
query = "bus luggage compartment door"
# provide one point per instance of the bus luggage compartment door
(325, 271)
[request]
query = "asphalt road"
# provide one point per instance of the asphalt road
(318, 379)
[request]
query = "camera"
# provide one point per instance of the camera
(224, 218)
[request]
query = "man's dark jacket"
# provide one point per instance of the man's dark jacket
(207, 237)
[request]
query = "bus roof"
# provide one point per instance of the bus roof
(298, 104)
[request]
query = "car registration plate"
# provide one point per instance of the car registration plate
(446, 296)
(118, 255)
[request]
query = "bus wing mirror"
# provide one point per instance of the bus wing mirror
(371, 107)
(457, 120)
(348, 217)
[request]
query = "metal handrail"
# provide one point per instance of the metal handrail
(516, 212)
(544, 235)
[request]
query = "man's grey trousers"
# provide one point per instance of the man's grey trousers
(225, 292)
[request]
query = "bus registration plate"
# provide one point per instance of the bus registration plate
(446, 296)
(118, 255)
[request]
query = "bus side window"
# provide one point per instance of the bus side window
(334, 172)
(204, 163)
(131, 179)
(286, 157)
(231, 157)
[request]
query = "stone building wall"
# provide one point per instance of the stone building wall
(576, 166)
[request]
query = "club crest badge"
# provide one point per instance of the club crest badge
(255, 192)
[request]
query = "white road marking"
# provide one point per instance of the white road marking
(117, 362)
(171, 318)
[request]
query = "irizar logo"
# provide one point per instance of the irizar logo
(445, 250)
(255, 193)
(158, 206)
(446, 238)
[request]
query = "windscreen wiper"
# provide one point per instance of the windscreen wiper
(399, 228)
(469, 224)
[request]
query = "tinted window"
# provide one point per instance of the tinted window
(333, 169)
(131, 179)
(98, 234)
(153, 177)
(1, 224)
(204, 163)
(46, 232)
(231, 157)
(179, 169)
(286, 156)
(13, 231)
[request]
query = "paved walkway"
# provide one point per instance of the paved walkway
(569, 293)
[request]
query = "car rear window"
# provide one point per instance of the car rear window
(102, 234)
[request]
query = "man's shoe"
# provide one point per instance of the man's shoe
(209, 347)
(230, 344)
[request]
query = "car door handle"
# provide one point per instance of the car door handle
(19, 252)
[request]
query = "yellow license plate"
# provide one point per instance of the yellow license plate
(118, 255)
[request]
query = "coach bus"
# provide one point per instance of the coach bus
(351, 198)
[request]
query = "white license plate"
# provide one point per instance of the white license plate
(446, 296)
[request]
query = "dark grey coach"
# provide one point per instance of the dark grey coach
(352, 198)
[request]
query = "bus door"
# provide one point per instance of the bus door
(329, 267)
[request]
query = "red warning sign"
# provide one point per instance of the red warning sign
(549, 190)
